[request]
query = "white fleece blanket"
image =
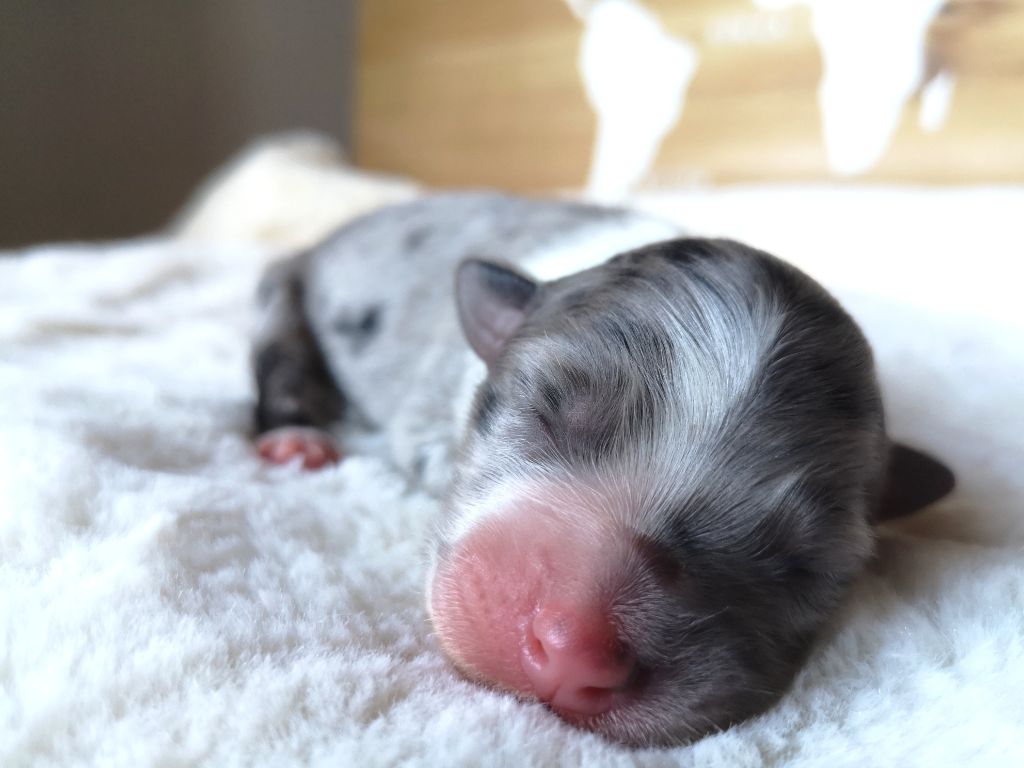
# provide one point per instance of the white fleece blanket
(166, 600)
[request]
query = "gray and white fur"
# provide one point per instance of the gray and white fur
(712, 405)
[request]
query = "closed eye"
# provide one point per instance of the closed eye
(543, 423)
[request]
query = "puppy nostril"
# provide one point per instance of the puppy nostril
(574, 660)
(535, 648)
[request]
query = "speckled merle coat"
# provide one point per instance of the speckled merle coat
(718, 403)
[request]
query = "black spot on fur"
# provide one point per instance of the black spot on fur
(414, 238)
(550, 398)
(486, 407)
(627, 274)
(576, 300)
(688, 250)
(645, 344)
(359, 328)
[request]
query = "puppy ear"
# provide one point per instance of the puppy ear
(493, 301)
(913, 481)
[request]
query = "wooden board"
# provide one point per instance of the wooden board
(472, 92)
(481, 92)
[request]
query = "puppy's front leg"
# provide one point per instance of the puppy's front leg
(298, 398)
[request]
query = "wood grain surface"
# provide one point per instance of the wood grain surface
(480, 92)
(463, 92)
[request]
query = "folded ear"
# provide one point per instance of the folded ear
(493, 301)
(913, 481)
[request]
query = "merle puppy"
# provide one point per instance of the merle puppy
(661, 458)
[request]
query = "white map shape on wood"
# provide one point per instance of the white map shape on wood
(636, 77)
(873, 60)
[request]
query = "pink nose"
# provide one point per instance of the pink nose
(574, 661)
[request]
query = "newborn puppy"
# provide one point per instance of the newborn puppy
(661, 459)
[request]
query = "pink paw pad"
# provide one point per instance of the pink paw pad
(314, 448)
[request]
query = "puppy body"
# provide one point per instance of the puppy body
(371, 312)
(660, 458)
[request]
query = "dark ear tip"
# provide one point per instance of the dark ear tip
(946, 480)
(496, 281)
(940, 479)
(914, 481)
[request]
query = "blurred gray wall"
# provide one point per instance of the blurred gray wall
(111, 111)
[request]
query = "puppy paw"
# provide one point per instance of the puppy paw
(311, 447)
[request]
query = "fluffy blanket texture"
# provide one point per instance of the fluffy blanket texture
(165, 599)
